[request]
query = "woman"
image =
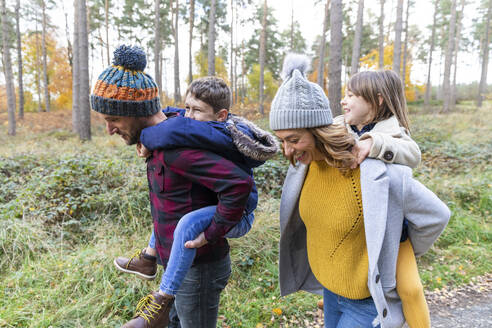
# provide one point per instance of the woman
(341, 227)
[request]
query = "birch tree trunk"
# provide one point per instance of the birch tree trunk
(83, 45)
(19, 61)
(397, 44)
(322, 46)
(106, 25)
(45, 59)
(485, 58)
(177, 89)
(335, 65)
(357, 39)
(190, 54)
(431, 50)
(75, 70)
(9, 77)
(405, 46)
(38, 64)
(448, 59)
(211, 39)
(231, 66)
(262, 54)
(157, 46)
(456, 50)
(381, 35)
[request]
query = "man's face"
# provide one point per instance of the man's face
(128, 128)
(201, 111)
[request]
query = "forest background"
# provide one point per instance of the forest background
(72, 198)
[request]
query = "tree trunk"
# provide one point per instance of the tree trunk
(190, 55)
(75, 71)
(38, 64)
(456, 50)
(485, 59)
(405, 47)
(106, 25)
(322, 46)
(357, 39)
(292, 26)
(83, 45)
(231, 66)
(157, 45)
(448, 59)
(177, 89)
(211, 39)
(45, 59)
(381, 36)
(335, 65)
(19, 60)
(433, 36)
(262, 54)
(9, 77)
(397, 44)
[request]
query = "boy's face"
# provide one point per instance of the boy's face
(201, 111)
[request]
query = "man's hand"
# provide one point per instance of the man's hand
(198, 242)
(361, 151)
(142, 151)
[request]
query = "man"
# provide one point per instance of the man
(180, 181)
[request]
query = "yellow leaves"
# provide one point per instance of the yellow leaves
(438, 279)
(259, 325)
(31, 209)
(277, 311)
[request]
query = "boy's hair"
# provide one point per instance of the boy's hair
(370, 84)
(211, 90)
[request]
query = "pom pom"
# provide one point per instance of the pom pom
(295, 61)
(132, 58)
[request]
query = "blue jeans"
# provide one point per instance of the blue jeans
(188, 228)
(197, 301)
(341, 312)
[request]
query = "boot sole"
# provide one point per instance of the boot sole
(138, 274)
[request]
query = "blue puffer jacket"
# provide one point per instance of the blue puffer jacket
(237, 140)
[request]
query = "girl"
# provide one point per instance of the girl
(346, 244)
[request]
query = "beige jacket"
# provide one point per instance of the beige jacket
(391, 143)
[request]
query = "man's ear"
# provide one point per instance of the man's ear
(221, 115)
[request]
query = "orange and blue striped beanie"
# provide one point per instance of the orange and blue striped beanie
(123, 89)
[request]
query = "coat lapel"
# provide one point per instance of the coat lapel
(291, 191)
(374, 186)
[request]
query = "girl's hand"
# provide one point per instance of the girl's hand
(361, 151)
(198, 242)
(142, 151)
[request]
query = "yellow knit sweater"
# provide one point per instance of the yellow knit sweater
(331, 208)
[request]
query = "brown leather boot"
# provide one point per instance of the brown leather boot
(152, 311)
(141, 264)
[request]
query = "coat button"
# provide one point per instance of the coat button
(385, 313)
(377, 278)
(388, 155)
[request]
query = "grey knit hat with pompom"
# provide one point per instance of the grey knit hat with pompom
(298, 103)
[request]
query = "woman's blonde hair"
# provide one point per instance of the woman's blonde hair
(370, 85)
(335, 143)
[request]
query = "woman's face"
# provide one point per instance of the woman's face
(299, 144)
(357, 111)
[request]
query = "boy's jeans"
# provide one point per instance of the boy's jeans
(188, 228)
(341, 312)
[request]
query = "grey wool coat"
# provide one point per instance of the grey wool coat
(389, 194)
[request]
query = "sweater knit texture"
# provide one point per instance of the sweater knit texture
(336, 242)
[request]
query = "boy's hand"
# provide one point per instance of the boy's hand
(361, 151)
(198, 242)
(142, 151)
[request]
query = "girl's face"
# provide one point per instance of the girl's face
(299, 144)
(357, 111)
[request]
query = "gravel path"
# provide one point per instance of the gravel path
(469, 306)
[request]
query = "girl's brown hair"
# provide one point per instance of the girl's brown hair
(335, 144)
(371, 85)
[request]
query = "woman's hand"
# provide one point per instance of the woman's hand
(142, 151)
(197, 242)
(361, 151)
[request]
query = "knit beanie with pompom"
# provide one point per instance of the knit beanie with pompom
(123, 89)
(298, 103)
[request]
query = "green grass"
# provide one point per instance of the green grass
(69, 207)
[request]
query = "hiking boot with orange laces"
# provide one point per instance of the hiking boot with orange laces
(152, 311)
(141, 264)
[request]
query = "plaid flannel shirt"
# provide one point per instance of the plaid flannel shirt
(183, 180)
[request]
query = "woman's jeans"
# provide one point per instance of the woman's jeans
(341, 312)
(188, 228)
